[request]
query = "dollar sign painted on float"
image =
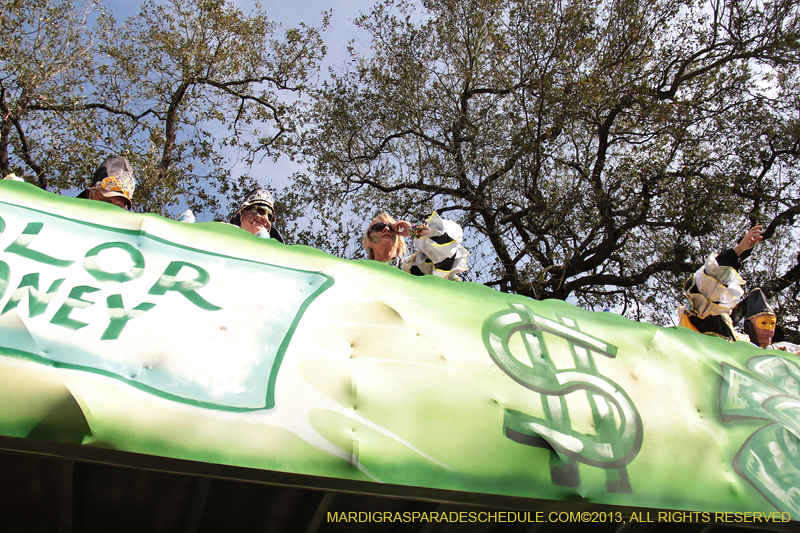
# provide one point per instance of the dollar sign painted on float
(766, 393)
(615, 444)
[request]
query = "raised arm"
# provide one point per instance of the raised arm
(750, 239)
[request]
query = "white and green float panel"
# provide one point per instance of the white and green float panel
(202, 343)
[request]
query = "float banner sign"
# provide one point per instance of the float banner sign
(204, 343)
(166, 318)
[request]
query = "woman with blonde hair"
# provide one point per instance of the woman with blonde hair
(438, 243)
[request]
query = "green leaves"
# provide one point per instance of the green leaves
(186, 89)
(594, 150)
(579, 143)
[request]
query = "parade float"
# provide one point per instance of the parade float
(201, 344)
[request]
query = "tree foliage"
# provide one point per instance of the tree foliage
(207, 80)
(46, 60)
(186, 89)
(595, 150)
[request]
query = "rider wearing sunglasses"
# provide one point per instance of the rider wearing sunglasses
(256, 214)
(438, 243)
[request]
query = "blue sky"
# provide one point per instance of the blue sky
(337, 38)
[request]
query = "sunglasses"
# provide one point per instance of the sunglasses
(262, 211)
(379, 227)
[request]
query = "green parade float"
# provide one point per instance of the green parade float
(202, 343)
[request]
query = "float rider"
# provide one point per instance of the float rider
(715, 290)
(112, 183)
(256, 214)
(761, 324)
